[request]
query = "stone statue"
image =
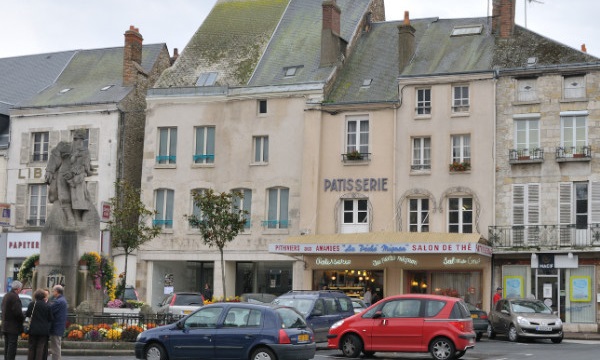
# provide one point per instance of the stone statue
(68, 165)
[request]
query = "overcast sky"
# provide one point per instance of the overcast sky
(41, 26)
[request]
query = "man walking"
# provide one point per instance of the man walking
(12, 320)
(57, 329)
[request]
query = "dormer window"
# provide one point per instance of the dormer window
(207, 79)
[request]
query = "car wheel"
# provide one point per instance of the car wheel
(156, 352)
(263, 354)
(512, 334)
(490, 332)
(369, 353)
(351, 346)
(557, 340)
(479, 335)
(442, 348)
(460, 354)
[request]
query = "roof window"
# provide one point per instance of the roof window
(106, 87)
(467, 30)
(366, 83)
(207, 79)
(291, 70)
(64, 90)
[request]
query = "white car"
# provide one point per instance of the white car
(358, 305)
(181, 303)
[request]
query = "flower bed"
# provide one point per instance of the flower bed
(104, 332)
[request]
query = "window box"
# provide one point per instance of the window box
(354, 155)
(460, 166)
(524, 157)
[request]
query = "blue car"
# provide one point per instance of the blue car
(231, 331)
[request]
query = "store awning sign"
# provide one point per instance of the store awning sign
(408, 248)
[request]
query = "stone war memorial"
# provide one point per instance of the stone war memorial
(72, 226)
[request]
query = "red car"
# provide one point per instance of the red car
(422, 323)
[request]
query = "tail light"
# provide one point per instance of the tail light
(283, 337)
(483, 316)
(173, 300)
(463, 326)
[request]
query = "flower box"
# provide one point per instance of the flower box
(525, 157)
(460, 166)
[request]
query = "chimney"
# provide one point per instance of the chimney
(330, 33)
(503, 18)
(583, 49)
(132, 53)
(406, 42)
(175, 55)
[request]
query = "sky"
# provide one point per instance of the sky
(42, 26)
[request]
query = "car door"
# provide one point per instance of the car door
(399, 327)
(319, 321)
(504, 317)
(194, 339)
(238, 332)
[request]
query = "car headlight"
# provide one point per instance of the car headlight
(337, 324)
(522, 321)
(559, 322)
(138, 337)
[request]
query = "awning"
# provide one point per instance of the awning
(384, 243)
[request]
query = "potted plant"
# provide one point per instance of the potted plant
(354, 155)
(460, 166)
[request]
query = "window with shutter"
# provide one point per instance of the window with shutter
(565, 205)
(574, 87)
(595, 202)
(526, 90)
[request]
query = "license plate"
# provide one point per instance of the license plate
(186, 312)
(474, 316)
(543, 328)
(303, 338)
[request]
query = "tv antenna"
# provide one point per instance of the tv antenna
(525, 7)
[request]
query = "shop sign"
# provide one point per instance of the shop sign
(332, 261)
(22, 245)
(365, 184)
(4, 214)
(413, 248)
(390, 258)
(449, 261)
(546, 261)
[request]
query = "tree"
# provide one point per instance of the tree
(128, 225)
(219, 220)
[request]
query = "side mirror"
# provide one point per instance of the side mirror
(505, 312)
(377, 315)
(180, 325)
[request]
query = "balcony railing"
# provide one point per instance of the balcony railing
(518, 156)
(204, 158)
(167, 224)
(276, 224)
(166, 159)
(39, 157)
(546, 236)
(573, 153)
(36, 222)
(356, 157)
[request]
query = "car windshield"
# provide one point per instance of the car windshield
(188, 299)
(290, 318)
(530, 307)
(302, 305)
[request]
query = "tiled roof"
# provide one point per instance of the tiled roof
(230, 41)
(87, 73)
(24, 76)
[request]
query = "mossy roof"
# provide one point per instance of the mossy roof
(87, 73)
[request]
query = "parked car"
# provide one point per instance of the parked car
(358, 305)
(130, 293)
(417, 323)
(25, 300)
(525, 319)
(180, 303)
(231, 331)
(258, 298)
(480, 320)
(320, 308)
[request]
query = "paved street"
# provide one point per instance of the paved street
(485, 350)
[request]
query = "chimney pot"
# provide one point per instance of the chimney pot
(406, 18)
(406, 42)
(583, 48)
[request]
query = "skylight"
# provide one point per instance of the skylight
(366, 82)
(64, 90)
(106, 87)
(467, 30)
(291, 71)
(207, 79)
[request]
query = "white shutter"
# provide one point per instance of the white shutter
(574, 87)
(565, 203)
(93, 142)
(518, 204)
(595, 202)
(533, 204)
(25, 147)
(92, 188)
(526, 90)
(21, 205)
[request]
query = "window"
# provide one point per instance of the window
(37, 205)
(357, 135)
(167, 145)
(423, 101)
(355, 216)
(196, 212)
(261, 149)
(262, 106)
(574, 87)
(277, 208)
(573, 134)
(291, 71)
(460, 98)
(204, 152)
(526, 211)
(460, 215)
(421, 154)
(40, 146)
(461, 149)
(207, 79)
(418, 215)
(579, 206)
(244, 203)
(527, 135)
(526, 90)
(164, 208)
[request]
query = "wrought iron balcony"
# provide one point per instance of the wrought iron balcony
(525, 156)
(573, 153)
(39, 157)
(36, 222)
(355, 156)
(545, 236)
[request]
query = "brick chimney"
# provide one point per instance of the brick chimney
(330, 33)
(503, 18)
(406, 42)
(132, 53)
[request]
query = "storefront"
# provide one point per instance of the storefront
(19, 246)
(456, 265)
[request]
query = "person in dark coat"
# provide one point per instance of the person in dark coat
(12, 320)
(40, 318)
(59, 311)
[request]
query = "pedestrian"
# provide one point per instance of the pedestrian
(375, 297)
(497, 295)
(40, 318)
(57, 329)
(12, 320)
(367, 297)
(207, 293)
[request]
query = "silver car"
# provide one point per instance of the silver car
(525, 319)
